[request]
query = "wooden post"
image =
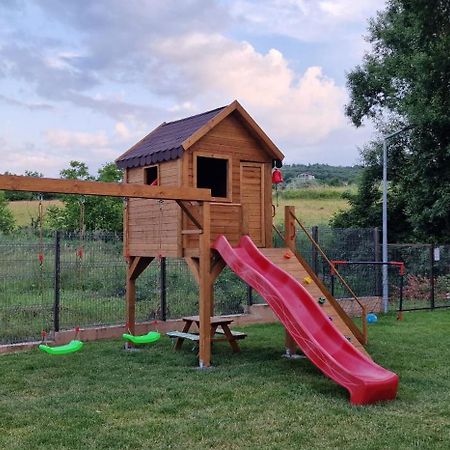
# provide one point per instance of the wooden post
(289, 227)
(289, 239)
(289, 343)
(205, 290)
(131, 299)
(244, 221)
(136, 265)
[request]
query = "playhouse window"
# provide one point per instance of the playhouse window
(151, 175)
(212, 173)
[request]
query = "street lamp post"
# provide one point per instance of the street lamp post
(385, 220)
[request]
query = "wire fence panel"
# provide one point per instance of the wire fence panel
(427, 279)
(26, 288)
(182, 290)
(93, 276)
(442, 276)
(82, 282)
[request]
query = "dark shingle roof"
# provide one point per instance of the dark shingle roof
(164, 142)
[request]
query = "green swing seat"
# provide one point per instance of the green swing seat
(71, 347)
(151, 336)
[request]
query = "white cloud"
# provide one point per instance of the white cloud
(70, 139)
(306, 20)
(19, 158)
(348, 10)
(304, 107)
(122, 130)
(153, 60)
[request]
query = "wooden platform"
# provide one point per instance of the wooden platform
(295, 268)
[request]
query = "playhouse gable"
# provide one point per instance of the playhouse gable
(169, 140)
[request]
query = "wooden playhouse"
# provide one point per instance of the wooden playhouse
(223, 150)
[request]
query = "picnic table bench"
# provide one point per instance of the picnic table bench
(217, 321)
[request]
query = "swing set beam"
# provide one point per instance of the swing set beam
(179, 194)
(80, 187)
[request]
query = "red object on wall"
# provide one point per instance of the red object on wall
(277, 176)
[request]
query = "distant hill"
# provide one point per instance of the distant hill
(323, 173)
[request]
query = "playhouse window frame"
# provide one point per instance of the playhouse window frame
(228, 159)
(146, 172)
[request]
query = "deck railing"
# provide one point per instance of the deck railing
(292, 223)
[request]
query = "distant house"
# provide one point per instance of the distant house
(306, 176)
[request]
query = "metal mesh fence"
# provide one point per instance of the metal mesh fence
(92, 274)
(92, 282)
(26, 287)
(427, 279)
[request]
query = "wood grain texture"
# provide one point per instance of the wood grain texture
(80, 187)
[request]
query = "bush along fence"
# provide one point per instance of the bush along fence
(59, 281)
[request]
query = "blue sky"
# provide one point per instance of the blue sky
(87, 79)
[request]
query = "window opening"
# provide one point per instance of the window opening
(212, 173)
(151, 175)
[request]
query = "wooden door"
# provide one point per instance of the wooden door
(252, 200)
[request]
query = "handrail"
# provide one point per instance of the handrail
(278, 231)
(338, 275)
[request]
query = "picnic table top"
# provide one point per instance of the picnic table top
(214, 319)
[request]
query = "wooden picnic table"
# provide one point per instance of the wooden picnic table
(216, 321)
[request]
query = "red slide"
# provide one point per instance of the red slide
(311, 329)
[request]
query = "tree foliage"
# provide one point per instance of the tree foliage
(323, 173)
(100, 213)
(405, 80)
(7, 222)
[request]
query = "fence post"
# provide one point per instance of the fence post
(314, 253)
(432, 274)
(162, 288)
(377, 254)
(249, 295)
(57, 282)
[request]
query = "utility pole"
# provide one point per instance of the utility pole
(385, 220)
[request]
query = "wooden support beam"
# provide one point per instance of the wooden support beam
(289, 227)
(289, 344)
(244, 220)
(131, 305)
(193, 264)
(79, 187)
(190, 232)
(205, 290)
(136, 266)
(216, 268)
(195, 220)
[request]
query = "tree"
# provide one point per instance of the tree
(7, 221)
(405, 80)
(100, 213)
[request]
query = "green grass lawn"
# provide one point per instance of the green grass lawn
(104, 398)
